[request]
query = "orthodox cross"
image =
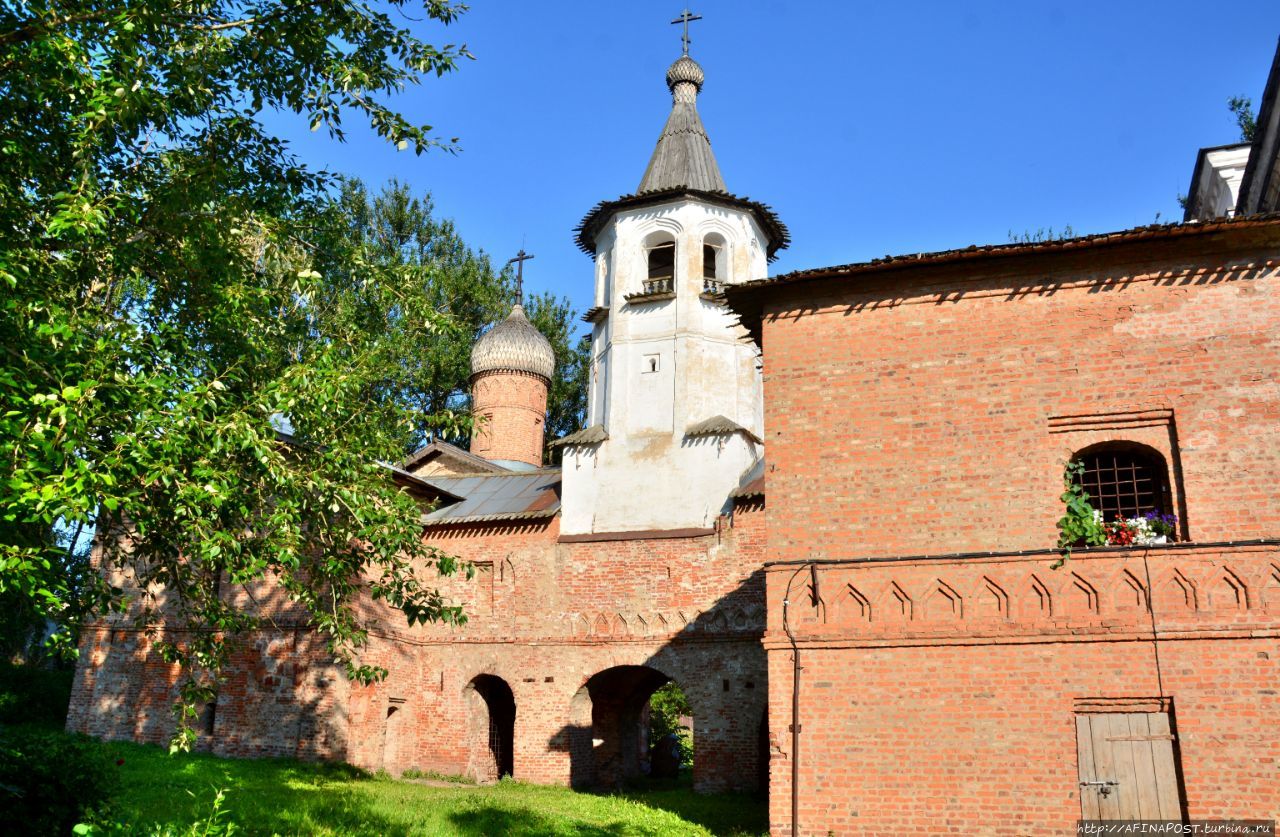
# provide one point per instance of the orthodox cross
(686, 17)
(519, 261)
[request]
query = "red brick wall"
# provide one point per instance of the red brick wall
(544, 616)
(547, 616)
(957, 714)
(933, 408)
(511, 408)
(930, 412)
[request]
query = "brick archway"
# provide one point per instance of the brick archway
(491, 730)
(610, 721)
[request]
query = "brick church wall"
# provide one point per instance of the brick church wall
(546, 616)
(543, 616)
(938, 405)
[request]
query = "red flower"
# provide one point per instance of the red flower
(119, 762)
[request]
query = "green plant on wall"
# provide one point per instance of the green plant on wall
(1079, 525)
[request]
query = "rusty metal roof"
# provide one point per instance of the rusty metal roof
(522, 495)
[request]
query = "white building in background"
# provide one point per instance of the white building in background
(675, 388)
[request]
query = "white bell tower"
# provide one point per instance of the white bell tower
(675, 415)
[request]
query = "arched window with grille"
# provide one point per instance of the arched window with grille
(1125, 480)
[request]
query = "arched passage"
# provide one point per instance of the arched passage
(610, 712)
(492, 710)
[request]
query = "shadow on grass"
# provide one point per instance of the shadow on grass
(269, 796)
(487, 820)
(723, 813)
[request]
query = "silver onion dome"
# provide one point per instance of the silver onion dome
(685, 69)
(515, 345)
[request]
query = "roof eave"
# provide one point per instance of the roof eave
(747, 299)
(779, 237)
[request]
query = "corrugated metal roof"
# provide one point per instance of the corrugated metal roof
(593, 435)
(514, 496)
(751, 483)
(720, 426)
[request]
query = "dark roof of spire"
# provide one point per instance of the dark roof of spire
(683, 166)
(683, 155)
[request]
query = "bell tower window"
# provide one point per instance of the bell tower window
(715, 270)
(662, 261)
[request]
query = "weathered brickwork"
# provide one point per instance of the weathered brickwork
(543, 616)
(929, 412)
(918, 418)
(512, 407)
(940, 406)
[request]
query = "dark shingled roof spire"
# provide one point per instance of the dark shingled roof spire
(683, 158)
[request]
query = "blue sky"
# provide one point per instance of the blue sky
(871, 128)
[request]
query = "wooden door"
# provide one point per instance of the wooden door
(1127, 769)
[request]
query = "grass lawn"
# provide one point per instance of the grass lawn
(288, 797)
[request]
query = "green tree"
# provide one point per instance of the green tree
(666, 707)
(162, 303)
(567, 397)
(398, 235)
(1241, 108)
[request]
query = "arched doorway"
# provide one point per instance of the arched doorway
(611, 722)
(492, 728)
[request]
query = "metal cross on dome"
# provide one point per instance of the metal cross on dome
(518, 261)
(686, 17)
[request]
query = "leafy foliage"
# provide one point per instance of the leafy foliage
(666, 707)
(567, 398)
(49, 781)
(162, 304)
(396, 233)
(1241, 108)
(31, 694)
(1078, 526)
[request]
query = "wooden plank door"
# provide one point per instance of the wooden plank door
(1127, 769)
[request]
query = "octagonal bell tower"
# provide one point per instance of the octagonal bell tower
(675, 414)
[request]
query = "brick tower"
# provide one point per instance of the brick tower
(511, 368)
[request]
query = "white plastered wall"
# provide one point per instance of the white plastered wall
(662, 366)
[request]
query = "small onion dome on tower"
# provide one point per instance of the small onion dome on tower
(513, 345)
(685, 68)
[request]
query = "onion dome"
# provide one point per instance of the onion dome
(514, 345)
(683, 69)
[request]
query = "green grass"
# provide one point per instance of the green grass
(288, 797)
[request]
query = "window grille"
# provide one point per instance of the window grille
(1124, 482)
